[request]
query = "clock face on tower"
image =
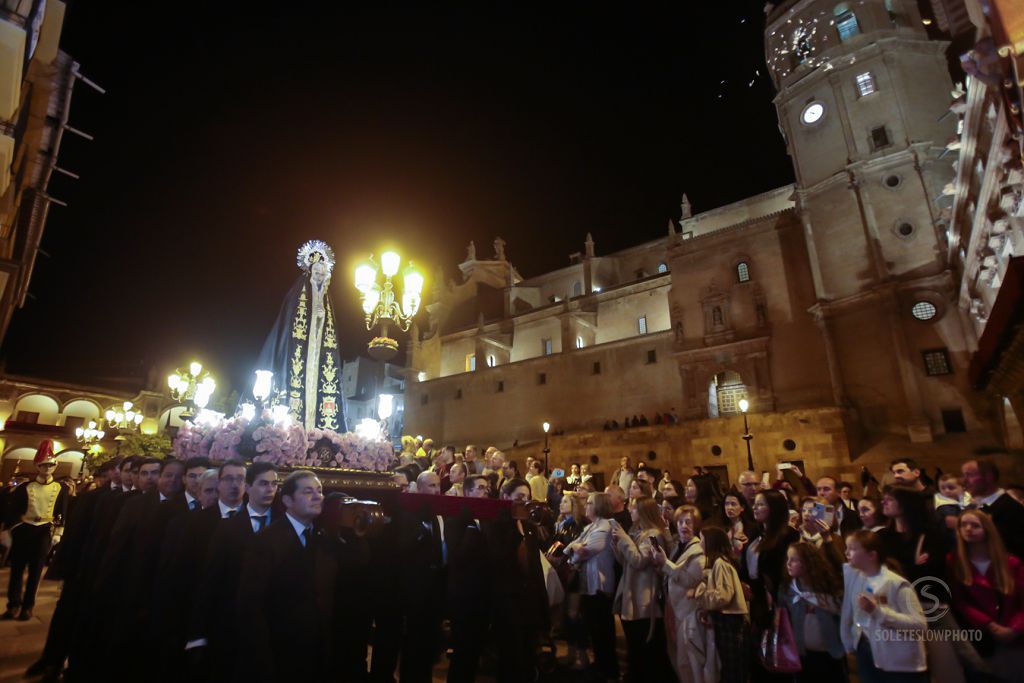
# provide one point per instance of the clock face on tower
(812, 113)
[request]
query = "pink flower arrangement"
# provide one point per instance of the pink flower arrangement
(282, 444)
(227, 438)
(191, 441)
(279, 443)
(354, 452)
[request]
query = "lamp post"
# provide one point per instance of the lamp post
(192, 387)
(380, 304)
(747, 436)
(89, 435)
(547, 427)
(124, 418)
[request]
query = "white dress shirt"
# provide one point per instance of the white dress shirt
(299, 528)
(225, 510)
(253, 514)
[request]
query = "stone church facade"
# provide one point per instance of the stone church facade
(829, 304)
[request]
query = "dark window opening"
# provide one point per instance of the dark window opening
(953, 420)
(542, 378)
(936, 362)
(458, 393)
(597, 368)
(652, 356)
(423, 399)
(879, 138)
(501, 387)
(27, 417)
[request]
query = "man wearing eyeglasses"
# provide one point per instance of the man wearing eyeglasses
(212, 626)
(33, 524)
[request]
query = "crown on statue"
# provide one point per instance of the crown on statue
(314, 251)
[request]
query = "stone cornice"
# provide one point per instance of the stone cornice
(753, 345)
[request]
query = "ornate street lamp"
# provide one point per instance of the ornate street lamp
(89, 435)
(124, 418)
(192, 387)
(747, 436)
(380, 304)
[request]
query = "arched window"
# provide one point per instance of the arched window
(724, 393)
(662, 267)
(743, 271)
(577, 288)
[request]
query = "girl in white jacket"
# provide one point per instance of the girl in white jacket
(882, 621)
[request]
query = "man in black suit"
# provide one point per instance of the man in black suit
(159, 507)
(123, 585)
(194, 468)
(981, 479)
(86, 645)
(519, 596)
(469, 598)
(182, 557)
(387, 607)
(422, 585)
(353, 603)
(286, 592)
(846, 520)
(212, 620)
(66, 565)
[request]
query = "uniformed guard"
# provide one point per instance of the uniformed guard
(32, 524)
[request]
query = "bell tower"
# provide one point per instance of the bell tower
(863, 97)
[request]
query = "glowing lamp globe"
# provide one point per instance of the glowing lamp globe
(385, 406)
(366, 276)
(262, 386)
(744, 405)
(413, 281)
(389, 262)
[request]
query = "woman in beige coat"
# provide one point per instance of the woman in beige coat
(691, 644)
(636, 601)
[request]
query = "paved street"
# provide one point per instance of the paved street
(21, 642)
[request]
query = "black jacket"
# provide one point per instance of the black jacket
(213, 614)
(519, 594)
(469, 579)
(285, 606)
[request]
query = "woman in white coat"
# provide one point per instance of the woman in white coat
(592, 553)
(691, 644)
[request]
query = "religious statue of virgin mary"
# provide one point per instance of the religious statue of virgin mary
(302, 348)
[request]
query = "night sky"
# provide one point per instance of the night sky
(229, 136)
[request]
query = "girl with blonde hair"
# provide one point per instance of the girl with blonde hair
(637, 599)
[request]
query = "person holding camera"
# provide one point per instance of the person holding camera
(638, 599)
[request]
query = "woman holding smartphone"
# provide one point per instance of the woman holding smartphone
(637, 601)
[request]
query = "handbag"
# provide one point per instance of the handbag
(778, 651)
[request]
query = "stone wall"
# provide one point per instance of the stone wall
(826, 439)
